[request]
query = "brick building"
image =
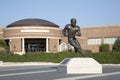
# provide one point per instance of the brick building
(101, 35)
(34, 35)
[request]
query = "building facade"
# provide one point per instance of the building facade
(101, 35)
(35, 35)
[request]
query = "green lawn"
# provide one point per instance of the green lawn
(106, 57)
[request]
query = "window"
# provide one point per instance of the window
(70, 46)
(109, 40)
(94, 41)
(63, 46)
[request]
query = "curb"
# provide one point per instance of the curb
(10, 64)
(111, 64)
(5, 64)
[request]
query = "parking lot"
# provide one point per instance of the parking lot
(49, 72)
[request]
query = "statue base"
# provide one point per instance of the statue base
(80, 66)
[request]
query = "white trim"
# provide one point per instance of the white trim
(32, 37)
(32, 27)
(47, 45)
(29, 30)
(58, 45)
(23, 45)
(20, 53)
(10, 44)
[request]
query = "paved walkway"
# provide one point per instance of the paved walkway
(49, 72)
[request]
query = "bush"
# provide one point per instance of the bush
(104, 57)
(37, 57)
(109, 57)
(116, 46)
(87, 51)
(4, 46)
(104, 48)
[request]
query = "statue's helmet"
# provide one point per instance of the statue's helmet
(73, 21)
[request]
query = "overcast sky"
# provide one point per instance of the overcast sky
(87, 12)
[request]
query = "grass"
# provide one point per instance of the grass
(105, 57)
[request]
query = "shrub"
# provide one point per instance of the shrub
(2, 43)
(104, 57)
(4, 46)
(87, 51)
(104, 48)
(116, 46)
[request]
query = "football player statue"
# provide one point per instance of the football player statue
(72, 30)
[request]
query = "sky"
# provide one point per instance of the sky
(89, 13)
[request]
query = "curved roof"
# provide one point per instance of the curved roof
(32, 22)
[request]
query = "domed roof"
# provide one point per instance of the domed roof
(32, 22)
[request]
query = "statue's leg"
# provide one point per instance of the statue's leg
(74, 45)
(79, 49)
(75, 50)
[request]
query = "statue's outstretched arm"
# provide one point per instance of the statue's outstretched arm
(64, 31)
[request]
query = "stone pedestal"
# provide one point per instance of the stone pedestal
(80, 66)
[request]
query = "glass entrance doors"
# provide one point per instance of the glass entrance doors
(35, 45)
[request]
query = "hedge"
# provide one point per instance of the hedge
(105, 57)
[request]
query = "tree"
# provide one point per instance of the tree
(3, 44)
(104, 48)
(116, 46)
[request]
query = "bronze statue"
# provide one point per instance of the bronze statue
(72, 30)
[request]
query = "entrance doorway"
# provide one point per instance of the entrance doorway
(35, 45)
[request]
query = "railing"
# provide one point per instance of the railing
(35, 50)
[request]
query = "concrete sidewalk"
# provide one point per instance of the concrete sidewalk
(5, 64)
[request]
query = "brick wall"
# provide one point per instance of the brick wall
(17, 33)
(102, 31)
(53, 45)
(16, 45)
(1, 33)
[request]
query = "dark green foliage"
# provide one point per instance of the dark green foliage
(4, 46)
(36, 57)
(104, 48)
(116, 46)
(87, 51)
(103, 57)
(106, 57)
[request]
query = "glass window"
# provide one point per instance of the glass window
(109, 40)
(94, 41)
(63, 46)
(70, 46)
